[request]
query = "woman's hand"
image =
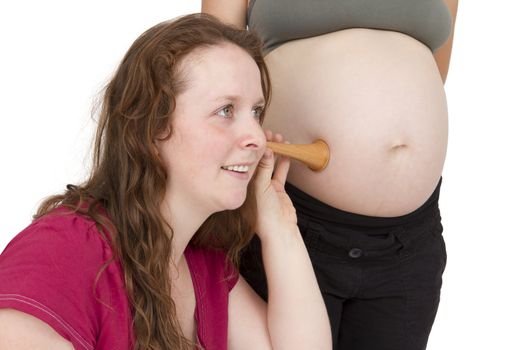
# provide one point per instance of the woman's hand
(275, 211)
(289, 272)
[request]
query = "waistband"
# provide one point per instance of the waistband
(313, 208)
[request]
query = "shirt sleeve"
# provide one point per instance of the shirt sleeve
(49, 271)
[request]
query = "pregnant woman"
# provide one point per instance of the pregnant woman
(367, 77)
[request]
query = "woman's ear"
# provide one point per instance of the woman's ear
(163, 135)
(160, 138)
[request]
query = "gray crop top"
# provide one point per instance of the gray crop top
(279, 21)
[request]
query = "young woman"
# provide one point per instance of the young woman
(367, 77)
(142, 255)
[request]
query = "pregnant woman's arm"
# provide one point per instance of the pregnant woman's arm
(228, 11)
(442, 55)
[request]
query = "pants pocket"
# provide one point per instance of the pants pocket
(310, 232)
(422, 266)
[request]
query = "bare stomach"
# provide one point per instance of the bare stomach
(377, 99)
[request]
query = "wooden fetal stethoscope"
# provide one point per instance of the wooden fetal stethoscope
(315, 155)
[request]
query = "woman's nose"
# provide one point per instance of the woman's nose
(253, 135)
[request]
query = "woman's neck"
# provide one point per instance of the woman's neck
(184, 220)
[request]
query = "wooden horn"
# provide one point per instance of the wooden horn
(316, 155)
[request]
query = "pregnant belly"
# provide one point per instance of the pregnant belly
(377, 99)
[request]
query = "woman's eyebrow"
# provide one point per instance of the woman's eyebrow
(237, 98)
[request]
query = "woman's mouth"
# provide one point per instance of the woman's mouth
(237, 168)
(239, 171)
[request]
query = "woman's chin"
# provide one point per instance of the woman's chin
(234, 201)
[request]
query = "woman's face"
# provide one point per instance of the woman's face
(215, 127)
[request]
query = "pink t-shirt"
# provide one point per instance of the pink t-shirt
(50, 268)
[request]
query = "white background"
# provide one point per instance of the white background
(55, 56)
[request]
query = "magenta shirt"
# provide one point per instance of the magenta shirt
(49, 270)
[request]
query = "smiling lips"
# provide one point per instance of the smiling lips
(237, 168)
(239, 171)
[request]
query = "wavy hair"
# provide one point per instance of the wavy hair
(127, 182)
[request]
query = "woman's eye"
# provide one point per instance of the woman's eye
(226, 111)
(257, 112)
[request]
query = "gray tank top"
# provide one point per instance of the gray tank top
(279, 21)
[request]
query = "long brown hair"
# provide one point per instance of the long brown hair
(128, 178)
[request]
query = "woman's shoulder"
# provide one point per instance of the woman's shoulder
(60, 269)
(62, 249)
(62, 245)
(61, 231)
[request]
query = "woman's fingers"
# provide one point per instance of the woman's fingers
(282, 163)
(269, 135)
(265, 169)
(281, 170)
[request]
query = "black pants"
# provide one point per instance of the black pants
(380, 277)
